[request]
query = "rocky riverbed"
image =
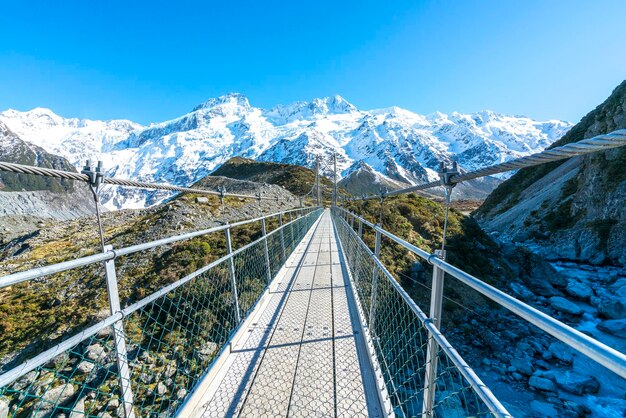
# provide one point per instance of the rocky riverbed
(537, 376)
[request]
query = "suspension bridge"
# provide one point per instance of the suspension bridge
(303, 320)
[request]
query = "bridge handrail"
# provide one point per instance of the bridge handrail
(477, 384)
(22, 276)
(597, 351)
(45, 356)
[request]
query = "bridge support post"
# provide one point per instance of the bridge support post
(374, 281)
(282, 234)
(360, 229)
(436, 303)
(266, 251)
(352, 220)
(233, 279)
(120, 340)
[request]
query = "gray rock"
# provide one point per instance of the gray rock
(78, 411)
(541, 383)
(612, 308)
(543, 409)
(208, 349)
(202, 199)
(94, 352)
(161, 389)
(542, 364)
(181, 393)
(59, 395)
(564, 305)
(615, 327)
(579, 290)
(523, 365)
(576, 383)
(85, 367)
(4, 407)
(522, 291)
(561, 352)
(146, 378)
(25, 381)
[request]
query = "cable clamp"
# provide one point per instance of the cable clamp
(95, 174)
(446, 173)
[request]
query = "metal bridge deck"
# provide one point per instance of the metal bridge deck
(301, 352)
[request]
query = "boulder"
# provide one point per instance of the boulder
(612, 308)
(522, 291)
(577, 384)
(615, 327)
(579, 290)
(161, 389)
(541, 383)
(523, 365)
(94, 352)
(564, 305)
(78, 410)
(202, 199)
(57, 396)
(561, 352)
(85, 367)
(181, 393)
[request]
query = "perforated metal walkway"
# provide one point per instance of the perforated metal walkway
(301, 352)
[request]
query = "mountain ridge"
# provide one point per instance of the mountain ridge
(396, 143)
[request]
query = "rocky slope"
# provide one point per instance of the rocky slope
(26, 200)
(397, 144)
(298, 180)
(572, 209)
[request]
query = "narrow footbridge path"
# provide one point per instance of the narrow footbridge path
(301, 352)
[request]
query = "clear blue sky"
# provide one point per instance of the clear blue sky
(150, 61)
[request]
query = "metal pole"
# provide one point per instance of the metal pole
(335, 171)
(360, 229)
(317, 176)
(266, 251)
(282, 235)
(374, 281)
(436, 303)
(120, 341)
(233, 280)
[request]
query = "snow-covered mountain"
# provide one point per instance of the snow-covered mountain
(395, 143)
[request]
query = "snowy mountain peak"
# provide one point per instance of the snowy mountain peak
(326, 106)
(387, 146)
(331, 105)
(234, 99)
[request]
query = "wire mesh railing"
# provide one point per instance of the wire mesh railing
(403, 340)
(146, 357)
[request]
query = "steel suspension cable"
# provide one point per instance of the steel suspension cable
(68, 175)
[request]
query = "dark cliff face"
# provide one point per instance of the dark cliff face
(15, 150)
(573, 209)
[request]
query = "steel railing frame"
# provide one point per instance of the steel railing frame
(595, 350)
(34, 273)
(466, 371)
(120, 313)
